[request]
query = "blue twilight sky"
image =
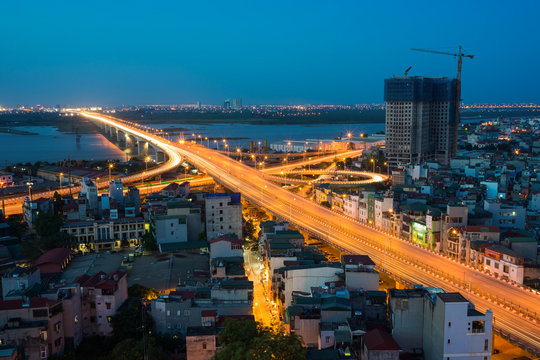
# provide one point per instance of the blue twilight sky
(277, 52)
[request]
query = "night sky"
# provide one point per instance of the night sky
(266, 52)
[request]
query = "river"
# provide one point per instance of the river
(52, 145)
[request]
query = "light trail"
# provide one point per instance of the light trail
(514, 307)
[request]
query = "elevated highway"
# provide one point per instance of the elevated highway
(515, 307)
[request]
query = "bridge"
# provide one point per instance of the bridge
(515, 307)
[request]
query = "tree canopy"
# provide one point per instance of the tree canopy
(247, 339)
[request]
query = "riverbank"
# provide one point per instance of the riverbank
(16, 132)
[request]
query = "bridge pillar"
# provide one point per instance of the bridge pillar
(112, 134)
(160, 156)
(121, 139)
(142, 147)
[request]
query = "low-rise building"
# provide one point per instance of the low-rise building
(102, 295)
(379, 345)
(360, 274)
(223, 214)
(226, 246)
(504, 263)
(201, 343)
(102, 235)
(453, 328)
(35, 324)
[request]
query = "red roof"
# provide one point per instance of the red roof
(208, 313)
(100, 280)
(378, 339)
(230, 239)
(55, 256)
(357, 260)
(18, 304)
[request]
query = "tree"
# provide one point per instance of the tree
(17, 225)
(47, 224)
(58, 203)
(148, 242)
(141, 291)
(131, 349)
(246, 339)
(128, 322)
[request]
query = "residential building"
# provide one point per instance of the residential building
(420, 120)
(102, 295)
(223, 214)
(201, 343)
(19, 280)
(454, 329)
(406, 312)
(504, 263)
(36, 325)
(103, 235)
(506, 215)
(226, 246)
(460, 237)
(32, 208)
(90, 190)
(379, 345)
(116, 191)
(360, 274)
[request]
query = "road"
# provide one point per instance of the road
(513, 306)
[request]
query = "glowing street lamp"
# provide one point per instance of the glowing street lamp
(373, 162)
(60, 180)
(110, 168)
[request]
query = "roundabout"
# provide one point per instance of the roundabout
(360, 177)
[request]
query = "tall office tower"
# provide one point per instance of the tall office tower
(227, 104)
(420, 120)
(237, 104)
(116, 192)
(198, 105)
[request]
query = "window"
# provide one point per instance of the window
(486, 344)
(505, 268)
(327, 339)
(186, 312)
(178, 312)
(488, 262)
(449, 341)
(109, 319)
(204, 346)
(108, 305)
(57, 327)
(168, 312)
(449, 324)
(496, 265)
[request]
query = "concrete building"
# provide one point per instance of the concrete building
(226, 246)
(102, 295)
(116, 191)
(237, 104)
(102, 235)
(32, 208)
(169, 229)
(406, 312)
(506, 215)
(459, 240)
(350, 206)
(201, 343)
(420, 120)
(36, 325)
(453, 329)
(379, 345)
(360, 274)
(302, 278)
(223, 214)
(504, 263)
(18, 280)
(90, 190)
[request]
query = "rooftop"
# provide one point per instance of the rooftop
(453, 297)
(378, 339)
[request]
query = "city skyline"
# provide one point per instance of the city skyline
(262, 53)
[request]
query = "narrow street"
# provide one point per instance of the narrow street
(264, 309)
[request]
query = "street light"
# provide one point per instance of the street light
(470, 279)
(373, 162)
(110, 168)
(60, 180)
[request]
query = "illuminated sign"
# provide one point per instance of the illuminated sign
(493, 254)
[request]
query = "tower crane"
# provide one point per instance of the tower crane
(460, 55)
